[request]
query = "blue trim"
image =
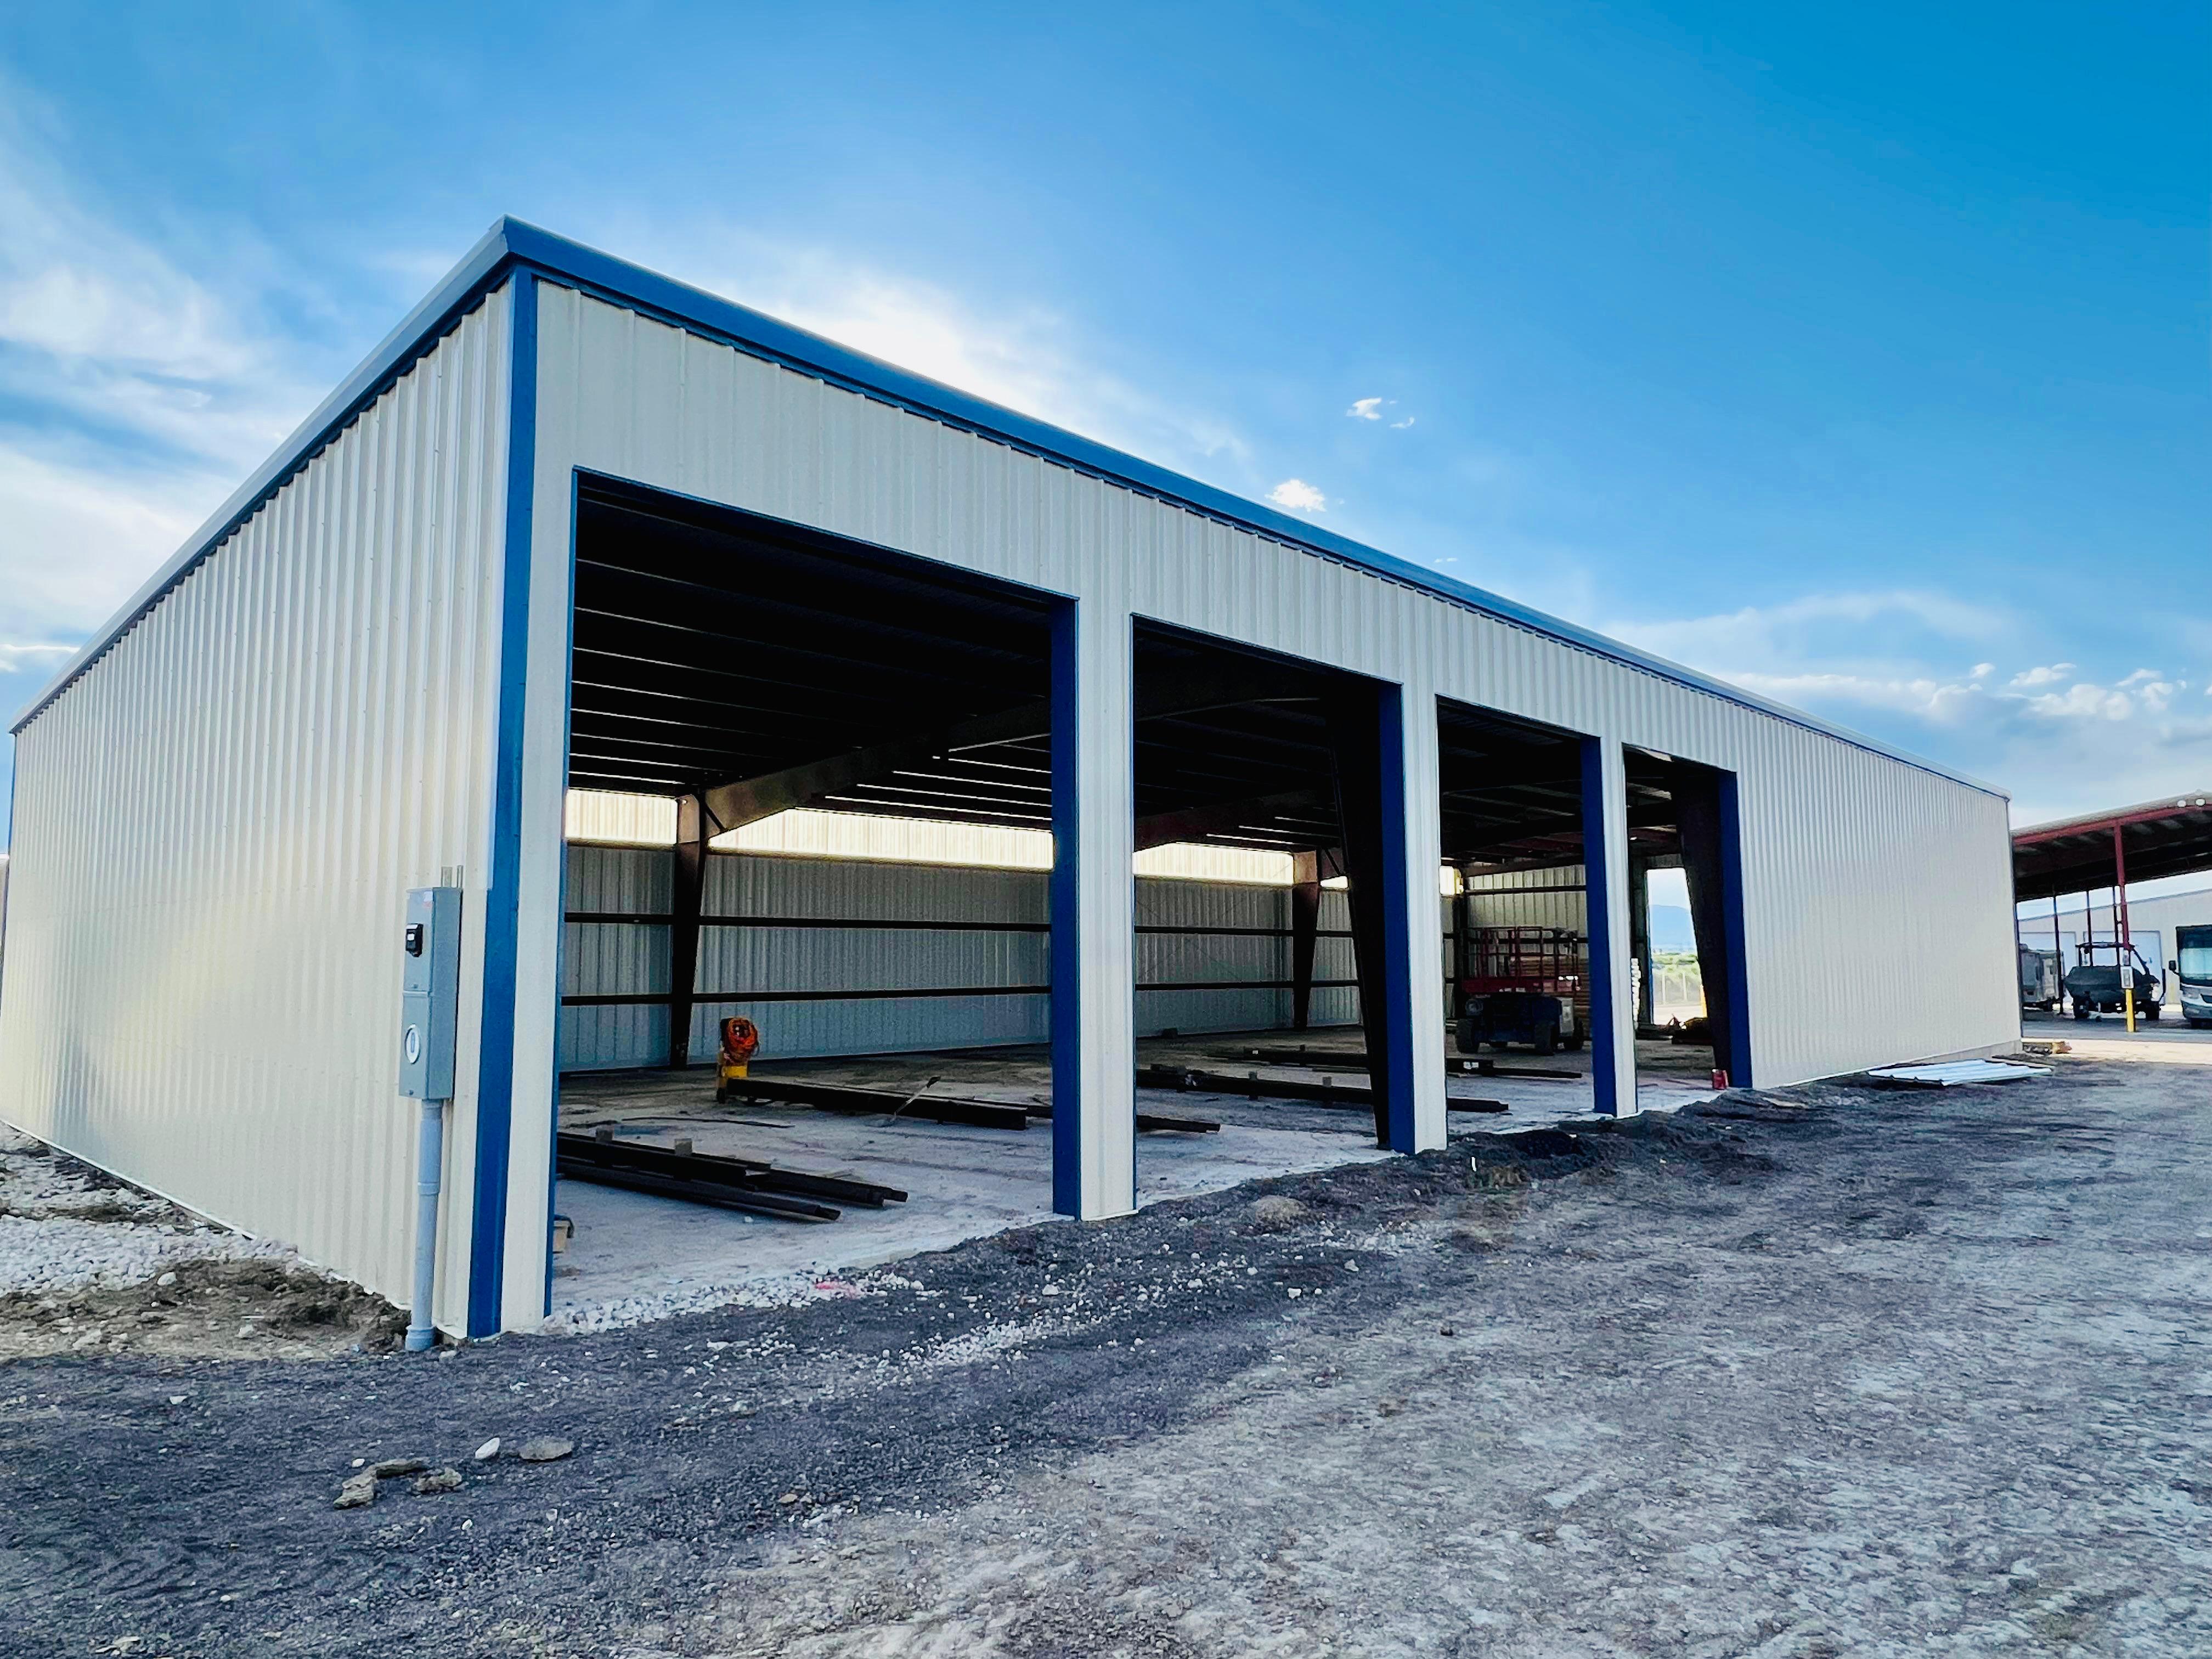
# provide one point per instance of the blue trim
(495, 1053)
(1597, 834)
(1739, 971)
(1066, 887)
(511, 242)
(1399, 967)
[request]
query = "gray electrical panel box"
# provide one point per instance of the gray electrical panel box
(429, 992)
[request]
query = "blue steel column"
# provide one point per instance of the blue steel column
(1420, 1124)
(1738, 1060)
(1094, 1170)
(1605, 877)
(494, 1095)
(1392, 822)
(1399, 939)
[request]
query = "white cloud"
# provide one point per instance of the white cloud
(134, 393)
(1025, 357)
(1298, 495)
(2061, 740)
(1370, 408)
(1934, 700)
(2082, 702)
(1780, 639)
(14, 656)
(100, 325)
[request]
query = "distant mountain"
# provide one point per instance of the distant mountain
(1671, 929)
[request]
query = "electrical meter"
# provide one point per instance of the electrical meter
(429, 992)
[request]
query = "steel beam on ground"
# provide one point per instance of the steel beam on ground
(840, 1098)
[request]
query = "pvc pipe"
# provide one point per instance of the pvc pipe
(429, 1160)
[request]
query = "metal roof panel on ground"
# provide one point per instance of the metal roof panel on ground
(511, 243)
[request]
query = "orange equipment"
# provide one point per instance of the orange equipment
(740, 1042)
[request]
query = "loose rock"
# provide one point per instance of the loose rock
(489, 1450)
(1275, 1212)
(546, 1449)
(392, 1467)
(443, 1481)
(357, 1492)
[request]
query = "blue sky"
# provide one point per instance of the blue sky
(1860, 357)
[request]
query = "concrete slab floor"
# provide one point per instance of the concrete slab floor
(2171, 1040)
(635, 1257)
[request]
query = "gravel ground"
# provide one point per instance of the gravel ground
(1831, 1372)
(90, 1265)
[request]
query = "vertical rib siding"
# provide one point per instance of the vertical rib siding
(1508, 901)
(631, 958)
(216, 827)
(1877, 894)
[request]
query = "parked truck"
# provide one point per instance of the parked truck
(2039, 986)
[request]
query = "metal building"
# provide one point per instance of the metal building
(575, 523)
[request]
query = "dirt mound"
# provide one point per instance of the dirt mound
(206, 1308)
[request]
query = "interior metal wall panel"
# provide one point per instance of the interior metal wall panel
(217, 825)
(616, 958)
(630, 958)
(1860, 869)
(1203, 957)
(1528, 898)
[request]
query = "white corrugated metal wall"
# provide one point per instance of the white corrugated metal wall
(1858, 866)
(1530, 898)
(629, 959)
(216, 828)
(312, 709)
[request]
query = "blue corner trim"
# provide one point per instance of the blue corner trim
(511, 242)
(495, 1053)
(1732, 925)
(1597, 895)
(1067, 913)
(1398, 940)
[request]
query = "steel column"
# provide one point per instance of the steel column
(687, 884)
(1605, 874)
(1305, 932)
(1639, 938)
(2120, 924)
(1376, 786)
(1094, 817)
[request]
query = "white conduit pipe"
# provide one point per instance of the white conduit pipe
(430, 1161)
